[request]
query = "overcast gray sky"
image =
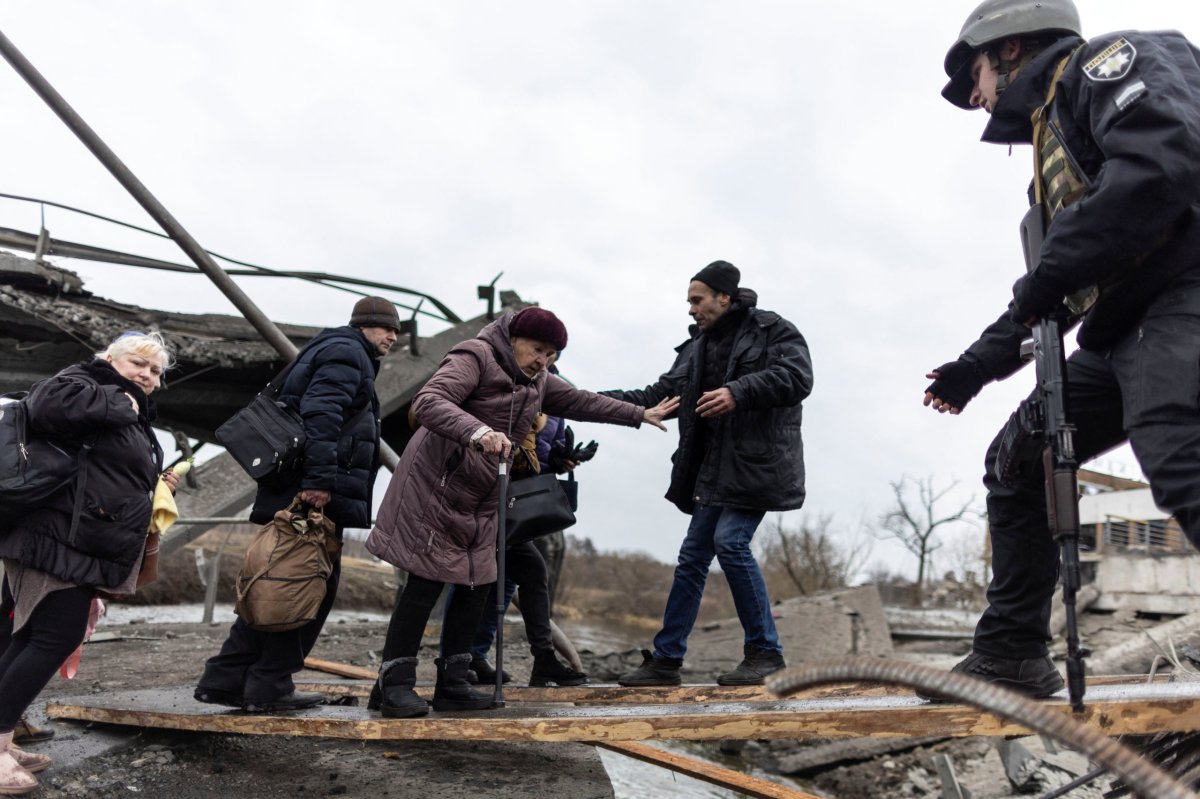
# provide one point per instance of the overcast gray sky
(599, 154)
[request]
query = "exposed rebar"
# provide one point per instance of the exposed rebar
(1140, 774)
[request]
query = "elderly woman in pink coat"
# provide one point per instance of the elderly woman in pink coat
(438, 520)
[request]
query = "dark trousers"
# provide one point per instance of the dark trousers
(1146, 390)
(412, 610)
(524, 569)
(554, 551)
(31, 657)
(259, 665)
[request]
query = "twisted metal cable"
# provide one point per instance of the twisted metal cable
(1140, 774)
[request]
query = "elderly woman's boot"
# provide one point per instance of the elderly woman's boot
(15, 779)
(397, 699)
(453, 692)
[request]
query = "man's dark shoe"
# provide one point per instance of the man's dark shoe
(1035, 677)
(754, 668)
(216, 696)
(293, 701)
(653, 671)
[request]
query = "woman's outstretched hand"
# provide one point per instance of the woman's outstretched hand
(660, 411)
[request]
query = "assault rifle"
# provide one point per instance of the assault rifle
(1042, 426)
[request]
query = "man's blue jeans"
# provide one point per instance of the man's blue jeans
(723, 533)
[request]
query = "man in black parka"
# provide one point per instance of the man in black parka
(332, 387)
(741, 377)
(1116, 121)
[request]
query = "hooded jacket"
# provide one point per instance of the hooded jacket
(88, 403)
(332, 387)
(753, 458)
(438, 519)
(1133, 130)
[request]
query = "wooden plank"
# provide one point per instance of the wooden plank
(608, 694)
(340, 669)
(1116, 710)
(714, 775)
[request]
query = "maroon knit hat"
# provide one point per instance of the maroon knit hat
(540, 325)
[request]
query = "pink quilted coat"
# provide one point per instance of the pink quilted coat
(438, 517)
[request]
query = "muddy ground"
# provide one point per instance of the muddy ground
(153, 763)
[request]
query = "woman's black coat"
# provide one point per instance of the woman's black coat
(87, 404)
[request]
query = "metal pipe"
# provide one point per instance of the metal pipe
(268, 329)
(274, 336)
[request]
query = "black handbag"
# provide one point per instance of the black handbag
(537, 506)
(266, 438)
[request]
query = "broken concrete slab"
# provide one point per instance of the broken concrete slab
(845, 622)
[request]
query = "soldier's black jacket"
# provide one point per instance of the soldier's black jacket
(1128, 109)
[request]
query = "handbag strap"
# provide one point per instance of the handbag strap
(273, 388)
(80, 485)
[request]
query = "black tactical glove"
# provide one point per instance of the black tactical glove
(1032, 299)
(957, 383)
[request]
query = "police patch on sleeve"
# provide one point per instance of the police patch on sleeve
(1112, 63)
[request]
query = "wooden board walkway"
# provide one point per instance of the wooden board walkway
(610, 694)
(1114, 709)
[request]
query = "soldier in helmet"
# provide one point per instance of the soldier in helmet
(1115, 124)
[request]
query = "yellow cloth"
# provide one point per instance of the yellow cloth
(163, 512)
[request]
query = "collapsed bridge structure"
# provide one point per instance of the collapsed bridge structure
(48, 320)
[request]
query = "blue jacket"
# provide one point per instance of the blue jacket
(332, 387)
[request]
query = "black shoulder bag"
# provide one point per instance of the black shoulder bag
(266, 438)
(538, 505)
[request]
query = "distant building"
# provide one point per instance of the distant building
(1133, 551)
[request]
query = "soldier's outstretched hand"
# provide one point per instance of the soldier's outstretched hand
(954, 385)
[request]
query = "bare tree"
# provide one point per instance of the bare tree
(915, 522)
(809, 558)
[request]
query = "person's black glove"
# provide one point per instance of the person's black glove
(567, 452)
(957, 383)
(1032, 299)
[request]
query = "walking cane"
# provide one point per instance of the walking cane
(501, 535)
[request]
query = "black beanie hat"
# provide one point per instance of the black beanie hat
(539, 325)
(720, 276)
(375, 312)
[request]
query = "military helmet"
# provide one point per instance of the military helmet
(1002, 19)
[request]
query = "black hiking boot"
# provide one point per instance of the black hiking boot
(291, 701)
(548, 669)
(453, 692)
(754, 668)
(397, 699)
(1035, 677)
(483, 672)
(653, 671)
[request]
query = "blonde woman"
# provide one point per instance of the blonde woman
(57, 558)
